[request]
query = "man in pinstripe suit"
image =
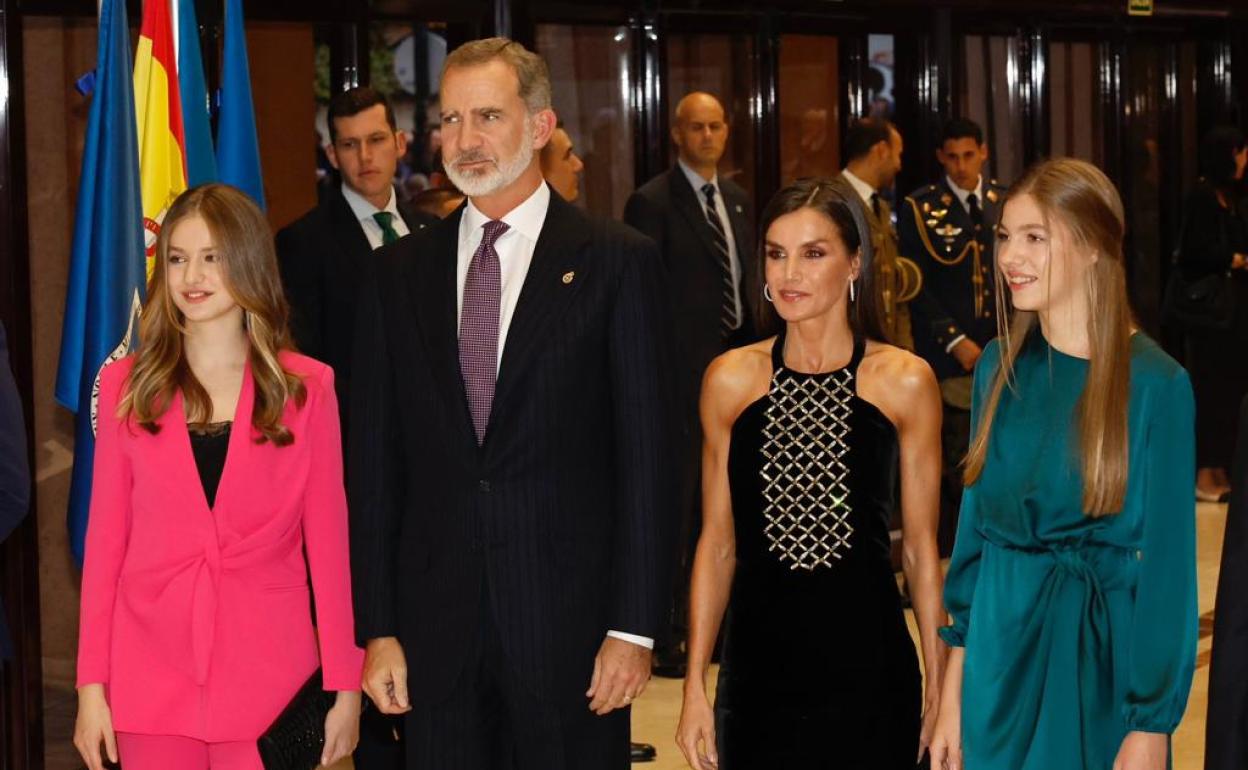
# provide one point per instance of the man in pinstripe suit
(510, 454)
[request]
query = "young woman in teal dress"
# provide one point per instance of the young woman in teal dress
(1072, 587)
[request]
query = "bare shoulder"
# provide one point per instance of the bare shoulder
(736, 378)
(896, 380)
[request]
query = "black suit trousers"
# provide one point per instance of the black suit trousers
(491, 721)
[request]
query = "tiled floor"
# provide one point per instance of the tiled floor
(655, 715)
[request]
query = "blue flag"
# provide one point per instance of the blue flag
(201, 163)
(238, 150)
(107, 265)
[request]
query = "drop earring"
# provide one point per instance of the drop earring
(852, 293)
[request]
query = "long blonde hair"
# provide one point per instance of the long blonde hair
(249, 266)
(1080, 197)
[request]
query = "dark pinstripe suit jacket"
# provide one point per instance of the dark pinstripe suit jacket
(562, 517)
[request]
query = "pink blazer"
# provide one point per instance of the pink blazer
(198, 621)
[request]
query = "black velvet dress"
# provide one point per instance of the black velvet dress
(818, 668)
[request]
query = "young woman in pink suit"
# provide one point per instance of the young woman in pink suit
(218, 463)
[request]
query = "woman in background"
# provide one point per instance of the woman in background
(218, 462)
(1072, 586)
(809, 436)
(1215, 242)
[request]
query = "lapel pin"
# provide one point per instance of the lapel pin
(568, 276)
(740, 209)
(991, 195)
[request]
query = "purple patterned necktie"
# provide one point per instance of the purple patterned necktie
(478, 327)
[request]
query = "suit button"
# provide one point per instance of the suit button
(484, 486)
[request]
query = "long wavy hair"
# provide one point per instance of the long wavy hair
(249, 270)
(1080, 197)
(865, 314)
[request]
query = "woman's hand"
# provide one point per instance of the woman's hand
(695, 735)
(946, 746)
(1143, 751)
(931, 711)
(342, 727)
(93, 726)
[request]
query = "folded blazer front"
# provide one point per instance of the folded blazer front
(198, 620)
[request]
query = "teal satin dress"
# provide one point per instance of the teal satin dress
(1077, 630)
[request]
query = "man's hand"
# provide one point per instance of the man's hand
(967, 353)
(621, 671)
(385, 675)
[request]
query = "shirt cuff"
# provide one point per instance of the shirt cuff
(949, 348)
(640, 641)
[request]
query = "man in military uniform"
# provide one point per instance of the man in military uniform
(947, 229)
(872, 151)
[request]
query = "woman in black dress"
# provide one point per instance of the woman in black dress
(1215, 241)
(809, 436)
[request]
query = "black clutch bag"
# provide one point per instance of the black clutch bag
(296, 738)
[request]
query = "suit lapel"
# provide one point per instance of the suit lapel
(556, 272)
(434, 296)
(737, 206)
(347, 230)
(686, 202)
(957, 214)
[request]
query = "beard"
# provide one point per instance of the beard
(491, 179)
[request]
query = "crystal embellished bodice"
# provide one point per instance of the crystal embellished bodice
(806, 502)
(813, 471)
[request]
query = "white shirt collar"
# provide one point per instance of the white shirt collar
(696, 179)
(964, 194)
(527, 218)
(864, 190)
(364, 210)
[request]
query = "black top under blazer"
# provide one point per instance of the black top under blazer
(562, 518)
(320, 256)
(670, 211)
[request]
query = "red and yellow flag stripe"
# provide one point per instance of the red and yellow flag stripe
(158, 110)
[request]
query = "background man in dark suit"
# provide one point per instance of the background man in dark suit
(321, 256)
(322, 253)
(947, 229)
(14, 469)
(511, 453)
(703, 225)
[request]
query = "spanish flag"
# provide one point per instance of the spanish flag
(158, 112)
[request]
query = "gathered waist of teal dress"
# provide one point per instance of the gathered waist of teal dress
(1100, 565)
(1052, 603)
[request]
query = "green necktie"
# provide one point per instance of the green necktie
(388, 234)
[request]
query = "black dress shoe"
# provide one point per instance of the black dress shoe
(641, 752)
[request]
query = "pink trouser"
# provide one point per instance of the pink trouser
(165, 752)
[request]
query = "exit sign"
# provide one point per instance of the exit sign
(1140, 7)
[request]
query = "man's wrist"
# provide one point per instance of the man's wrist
(640, 641)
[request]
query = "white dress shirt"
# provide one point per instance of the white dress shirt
(721, 208)
(964, 194)
(864, 190)
(364, 211)
(515, 254)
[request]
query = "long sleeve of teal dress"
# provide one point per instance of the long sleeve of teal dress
(1165, 628)
(1077, 629)
(967, 547)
